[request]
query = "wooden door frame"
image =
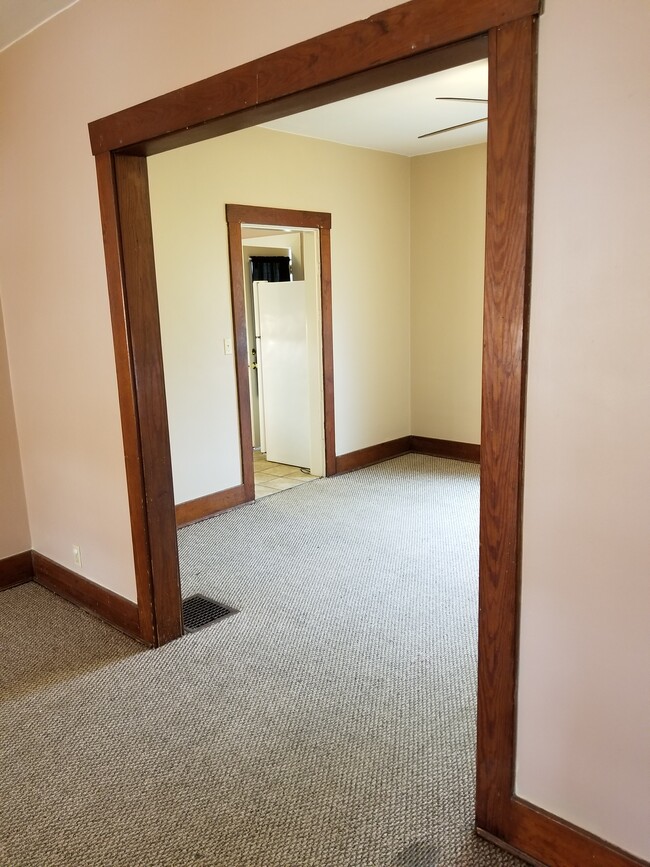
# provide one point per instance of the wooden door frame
(236, 215)
(400, 43)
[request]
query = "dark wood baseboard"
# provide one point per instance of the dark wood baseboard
(17, 569)
(420, 445)
(446, 449)
(205, 507)
(372, 455)
(103, 603)
(551, 840)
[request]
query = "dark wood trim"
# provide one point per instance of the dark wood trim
(141, 303)
(552, 840)
(237, 297)
(470, 452)
(236, 215)
(303, 76)
(372, 455)
(192, 511)
(127, 391)
(114, 609)
(372, 78)
(395, 34)
(262, 216)
(512, 60)
(328, 348)
(16, 569)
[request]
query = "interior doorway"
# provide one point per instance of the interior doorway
(284, 343)
(297, 405)
(397, 43)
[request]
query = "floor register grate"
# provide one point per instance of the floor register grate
(200, 611)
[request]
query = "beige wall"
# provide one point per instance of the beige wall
(14, 527)
(584, 696)
(585, 646)
(447, 258)
(432, 208)
(368, 195)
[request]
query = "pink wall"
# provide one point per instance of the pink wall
(583, 747)
(95, 58)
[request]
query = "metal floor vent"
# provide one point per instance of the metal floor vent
(200, 611)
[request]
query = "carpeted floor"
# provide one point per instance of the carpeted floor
(328, 724)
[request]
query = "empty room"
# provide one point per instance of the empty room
(415, 669)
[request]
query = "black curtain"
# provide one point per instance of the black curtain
(271, 268)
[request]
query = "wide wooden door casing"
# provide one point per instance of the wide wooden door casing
(415, 38)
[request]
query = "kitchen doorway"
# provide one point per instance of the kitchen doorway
(282, 301)
(283, 346)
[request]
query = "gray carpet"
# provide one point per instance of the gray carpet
(328, 724)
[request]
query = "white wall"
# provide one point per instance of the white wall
(368, 195)
(14, 527)
(447, 271)
(583, 740)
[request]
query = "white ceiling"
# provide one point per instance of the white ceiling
(390, 119)
(20, 17)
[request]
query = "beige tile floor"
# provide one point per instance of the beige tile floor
(271, 478)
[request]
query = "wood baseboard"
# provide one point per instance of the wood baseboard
(540, 838)
(553, 840)
(372, 455)
(420, 445)
(103, 603)
(446, 449)
(205, 507)
(17, 569)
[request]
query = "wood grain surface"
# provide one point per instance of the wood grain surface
(151, 407)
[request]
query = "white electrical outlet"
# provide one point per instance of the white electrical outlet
(76, 555)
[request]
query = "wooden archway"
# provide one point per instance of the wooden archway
(403, 42)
